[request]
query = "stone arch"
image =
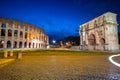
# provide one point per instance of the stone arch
(15, 44)
(15, 33)
(33, 45)
(3, 26)
(25, 44)
(29, 44)
(20, 44)
(26, 28)
(92, 40)
(26, 35)
(3, 32)
(1, 43)
(21, 34)
(102, 41)
(36, 45)
(8, 44)
(9, 32)
(39, 45)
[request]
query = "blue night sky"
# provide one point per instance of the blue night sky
(59, 18)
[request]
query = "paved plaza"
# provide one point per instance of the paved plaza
(61, 67)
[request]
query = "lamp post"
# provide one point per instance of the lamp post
(54, 41)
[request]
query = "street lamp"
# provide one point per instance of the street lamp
(54, 41)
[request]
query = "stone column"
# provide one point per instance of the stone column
(47, 40)
(23, 44)
(18, 36)
(23, 37)
(40, 38)
(17, 44)
(0, 31)
(6, 37)
(31, 44)
(12, 42)
(27, 39)
(5, 45)
(43, 38)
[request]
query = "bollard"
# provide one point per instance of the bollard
(19, 56)
(5, 54)
(11, 53)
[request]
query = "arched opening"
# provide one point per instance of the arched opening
(3, 32)
(39, 45)
(20, 45)
(39, 38)
(92, 40)
(1, 43)
(21, 34)
(29, 45)
(36, 45)
(25, 44)
(3, 26)
(15, 44)
(9, 32)
(33, 45)
(102, 41)
(8, 44)
(10, 21)
(26, 28)
(25, 35)
(15, 33)
(21, 25)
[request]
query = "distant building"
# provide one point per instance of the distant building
(100, 33)
(16, 34)
(74, 40)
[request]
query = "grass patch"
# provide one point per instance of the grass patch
(55, 52)
(63, 52)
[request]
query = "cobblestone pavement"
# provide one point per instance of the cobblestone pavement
(4, 62)
(52, 67)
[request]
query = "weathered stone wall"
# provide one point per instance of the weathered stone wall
(100, 33)
(16, 34)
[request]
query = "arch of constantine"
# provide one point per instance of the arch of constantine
(100, 33)
(16, 34)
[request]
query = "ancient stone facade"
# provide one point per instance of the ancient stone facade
(100, 33)
(16, 34)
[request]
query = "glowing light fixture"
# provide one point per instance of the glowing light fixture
(54, 41)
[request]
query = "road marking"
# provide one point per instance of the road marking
(112, 61)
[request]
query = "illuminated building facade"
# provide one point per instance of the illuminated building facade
(16, 34)
(100, 33)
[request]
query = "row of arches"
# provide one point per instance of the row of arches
(21, 25)
(22, 45)
(4, 26)
(15, 34)
(3, 32)
(92, 40)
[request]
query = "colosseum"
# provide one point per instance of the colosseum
(17, 34)
(100, 33)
